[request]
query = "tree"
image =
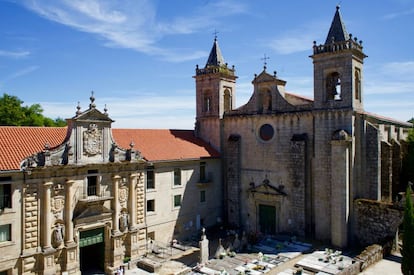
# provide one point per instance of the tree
(407, 264)
(12, 113)
(407, 173)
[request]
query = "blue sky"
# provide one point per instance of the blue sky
(139, 56)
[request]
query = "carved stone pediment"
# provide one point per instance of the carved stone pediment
(92, 115)
(267, 188)
(93, 212)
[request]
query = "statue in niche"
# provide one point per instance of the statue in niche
(123, 221)
(58, 234)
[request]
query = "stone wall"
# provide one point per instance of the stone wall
(376, 222)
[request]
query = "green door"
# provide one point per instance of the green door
(267, 219)
(92, 251)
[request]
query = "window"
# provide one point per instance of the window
(227, 100)
(333, 86)
(357, 85)
(177, 200)
(5, 235)
(177, 176)
(150, 178)
(5, 196)
(203, 172)
(202, 196)
(266, 132)
(150, 205)
(92, 183)
(207, 104)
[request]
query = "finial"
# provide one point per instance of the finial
(274, 73)
(47, 146)
(132, 144)
(105, 110)
(215, 35)
(338, 6)
(92, 98)
(78, 109)
(265, 58)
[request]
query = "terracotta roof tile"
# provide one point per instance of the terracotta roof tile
(164, 144)
(17, 143)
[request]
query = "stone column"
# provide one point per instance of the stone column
(132, 201)
(115, 206)
(46, 216)
(69, 212)
(340, 196)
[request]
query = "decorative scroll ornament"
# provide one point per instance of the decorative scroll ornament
(92, 140)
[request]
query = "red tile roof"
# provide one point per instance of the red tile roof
(17, 143)
(159, 145)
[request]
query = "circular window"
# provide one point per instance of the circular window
(266, 132)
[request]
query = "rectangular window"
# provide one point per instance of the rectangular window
(177, 176)
(5, 196)
(150, 178)
(92, 185)
(203, 172)
(150, 205)
(202, 196)
(177, 200)
(5, 233)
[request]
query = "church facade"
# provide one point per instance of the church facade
(296, 165)
(281, 163)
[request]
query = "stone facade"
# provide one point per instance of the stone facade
(295, 165)
(89, 198)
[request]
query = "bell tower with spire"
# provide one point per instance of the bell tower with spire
(215, 94)
(338, 69)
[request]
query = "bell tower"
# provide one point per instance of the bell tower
(215, 95)
(338, 69)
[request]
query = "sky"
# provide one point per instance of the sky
(139, 56)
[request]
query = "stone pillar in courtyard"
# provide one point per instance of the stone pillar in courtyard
(204, 254)
(340, 194)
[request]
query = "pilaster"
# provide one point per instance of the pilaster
(340, 196)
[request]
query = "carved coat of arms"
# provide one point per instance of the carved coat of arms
(92, 140)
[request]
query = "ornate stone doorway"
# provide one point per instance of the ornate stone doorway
(92, 251)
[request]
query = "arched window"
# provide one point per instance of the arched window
(227, 100)
(207, 104)
(357, 85)
(333, 86)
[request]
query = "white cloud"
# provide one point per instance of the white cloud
(398, 14)
(21, 72)
(14, 54)
(297, 40)
(143, 111)
(133, 24)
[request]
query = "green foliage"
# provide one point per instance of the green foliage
(408, 161)
(12, 113)
(407, 264)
